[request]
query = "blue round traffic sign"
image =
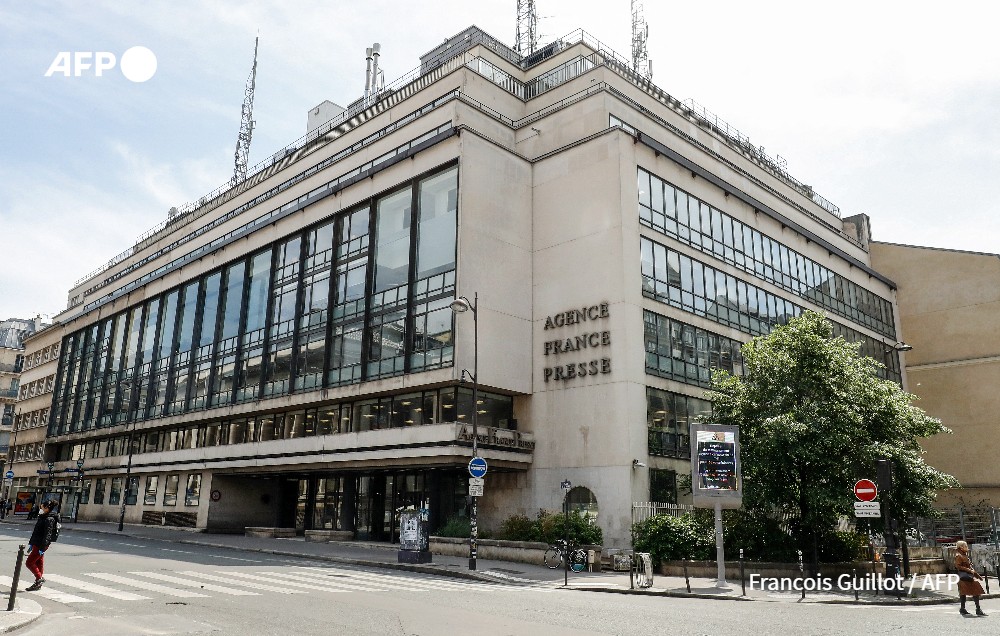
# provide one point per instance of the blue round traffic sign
(477, 467)
(9, 474)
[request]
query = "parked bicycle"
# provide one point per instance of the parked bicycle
(555, 555)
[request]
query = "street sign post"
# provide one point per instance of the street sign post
(867, 509)
(477, 467)
(865, 490)
(476, 486)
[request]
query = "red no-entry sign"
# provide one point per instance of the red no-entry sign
(865, 490)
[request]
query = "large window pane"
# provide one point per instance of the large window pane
(392, 252)
(438, 218)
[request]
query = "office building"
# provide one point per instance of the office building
(283, 351)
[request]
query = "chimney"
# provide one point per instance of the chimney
(368, 72)
(375, 50)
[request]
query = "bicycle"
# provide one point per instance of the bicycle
(555, 555)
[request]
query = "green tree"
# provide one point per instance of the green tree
(814, 415)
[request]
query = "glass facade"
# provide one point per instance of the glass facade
(668, 418)
(680, 215)
(413, 408)
(683, 352)
(680, 281)
(359, 296)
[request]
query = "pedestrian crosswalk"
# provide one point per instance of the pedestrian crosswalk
(131, 586)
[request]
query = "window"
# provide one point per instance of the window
(85, 492)
(754, 252)
(192, 494)
(662, 486)
(170, 490)
(333, 297)
(668, 418)
(582, 500)
(115, 497)
(132, 491)
(150, 497)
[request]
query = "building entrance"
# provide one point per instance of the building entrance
(369, 504)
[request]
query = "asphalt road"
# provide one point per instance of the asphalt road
(100, 585)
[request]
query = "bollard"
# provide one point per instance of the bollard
(802, 575)
(687, 581)
(743, 579)
(17, 575)
(986, 577)
(631, 571)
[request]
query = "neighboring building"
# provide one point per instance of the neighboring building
(34, 401)
(284, 352)
(13, 331)
(949, 309)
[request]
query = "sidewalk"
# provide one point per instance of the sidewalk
(383, 555)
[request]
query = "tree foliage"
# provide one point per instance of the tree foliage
(814, 416)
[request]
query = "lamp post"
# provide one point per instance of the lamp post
(462, 305)
(9, 463)
(128, 467)
(885, 479)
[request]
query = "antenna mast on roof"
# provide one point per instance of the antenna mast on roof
(527, 27)
(246, 123)
(640, 33)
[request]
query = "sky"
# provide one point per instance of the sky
(886, 108)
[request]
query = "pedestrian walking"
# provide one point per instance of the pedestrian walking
(968, 579)
(45, 532)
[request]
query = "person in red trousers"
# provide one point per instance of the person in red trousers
(38, 544)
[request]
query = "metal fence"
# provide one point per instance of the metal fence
(974, 524)
(642, 510)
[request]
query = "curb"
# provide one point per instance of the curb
(611, 590)
(407, 567)
(483, 577)
(26, 611)
(715, 597)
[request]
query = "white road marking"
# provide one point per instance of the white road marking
(52, 595)
(229, 580)
(332, 583)
(145, 585)
(189, 583)
(307, 586)
(96, 589)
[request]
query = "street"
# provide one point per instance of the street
(102, 584)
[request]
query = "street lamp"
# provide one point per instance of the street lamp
(885, 483)
(128, 468)
(9, 460)
(462, 305)
(888, 349)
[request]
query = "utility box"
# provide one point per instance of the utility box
(413, 538)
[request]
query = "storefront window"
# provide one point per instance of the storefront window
(99, 491)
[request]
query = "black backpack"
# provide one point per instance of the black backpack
(55, 529)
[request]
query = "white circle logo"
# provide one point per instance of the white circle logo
(138, 64)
